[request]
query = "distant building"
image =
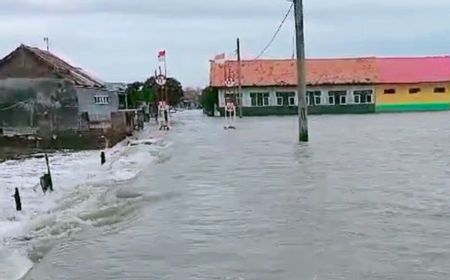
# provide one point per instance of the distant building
(336, 86)
(43, 88)
(191, 98)
(121, 90)
(413, 84)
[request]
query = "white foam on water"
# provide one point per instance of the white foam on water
(77, 180)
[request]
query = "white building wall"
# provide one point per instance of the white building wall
(323, 89)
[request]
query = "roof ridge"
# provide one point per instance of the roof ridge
(60, 64)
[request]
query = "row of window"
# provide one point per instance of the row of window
(102, 100)
(416, 90)
(313, 98)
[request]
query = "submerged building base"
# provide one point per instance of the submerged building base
(312, 110)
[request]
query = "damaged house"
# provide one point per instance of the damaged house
(41, 94)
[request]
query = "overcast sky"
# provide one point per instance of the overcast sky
(118, 40)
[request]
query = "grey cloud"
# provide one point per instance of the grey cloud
(117, 39)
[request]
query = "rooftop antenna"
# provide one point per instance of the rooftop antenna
(47, 41)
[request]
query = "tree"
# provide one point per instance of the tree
(209, 99)
(134, 95)
(149, 92)
(174, 90)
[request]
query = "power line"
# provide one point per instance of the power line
(276, 32)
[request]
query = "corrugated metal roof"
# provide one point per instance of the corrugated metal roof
(367, 70)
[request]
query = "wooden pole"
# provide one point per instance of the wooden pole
(301, 72)
(17, 200)
(238, 50)
(50, 181)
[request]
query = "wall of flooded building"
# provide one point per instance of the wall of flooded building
(43, 104)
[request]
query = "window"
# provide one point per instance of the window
(339, 97)
(414, 90)
(280, 101)
(253, 98)
(307, 101)
(260, 99)
(439, 90)
(315, 97)
(101, 99)
(285, 98)
(291, 99)
(331, 99)
(389, 91)
(363, 96)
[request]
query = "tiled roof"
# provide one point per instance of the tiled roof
(74, 74)
(284, 72)
(413, 69)
(369, 70)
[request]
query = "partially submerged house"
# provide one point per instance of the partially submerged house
(336, 86)
(39, 90)
(269, 86)
(413, 84)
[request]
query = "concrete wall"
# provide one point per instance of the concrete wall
(403, 100)
(46, 104)
(97, 112)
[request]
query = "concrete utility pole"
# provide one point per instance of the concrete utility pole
(238, 50)
(301, 72)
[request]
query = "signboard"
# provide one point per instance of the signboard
(229, 83)
(161, 80)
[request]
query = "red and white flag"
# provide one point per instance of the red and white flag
(162, 55)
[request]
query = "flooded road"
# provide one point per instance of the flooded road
(368, 198)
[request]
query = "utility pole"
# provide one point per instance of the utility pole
(238, 50)
(301, 72)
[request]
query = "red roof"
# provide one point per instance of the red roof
(413, 69)
(369, 70)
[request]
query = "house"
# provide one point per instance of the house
(40, 87)
(191, 98)
(269, 86)
(413, 84)
(336, 85)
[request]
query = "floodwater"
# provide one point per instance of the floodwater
(367, 198)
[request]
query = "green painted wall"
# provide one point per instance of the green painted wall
(312, 110)
(411, 107)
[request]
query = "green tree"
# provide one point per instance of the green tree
(134, 94)
(174, 90)
(150, 92)
(208, 100)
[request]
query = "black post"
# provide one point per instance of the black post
(17, 199)
(102, 158)
(48, 180)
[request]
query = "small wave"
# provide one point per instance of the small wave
(126, 194)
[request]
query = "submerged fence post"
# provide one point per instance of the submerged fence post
(17, 200)
(46, 180)
(102, 158)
